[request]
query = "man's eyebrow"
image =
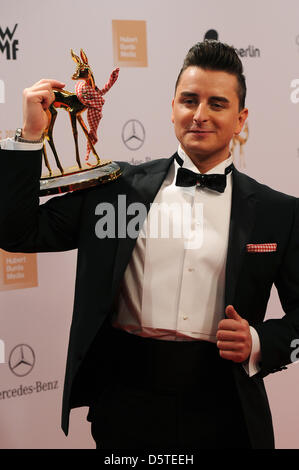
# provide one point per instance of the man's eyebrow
(219, 98)
(211, 98)
(188, 93)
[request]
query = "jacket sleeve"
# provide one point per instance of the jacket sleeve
(25, 225)
(277, 335)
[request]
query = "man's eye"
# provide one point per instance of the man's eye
(216, 105)
(189, 101)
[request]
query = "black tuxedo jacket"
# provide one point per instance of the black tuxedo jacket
(258, 215)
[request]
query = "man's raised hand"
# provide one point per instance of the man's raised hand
(36, 101)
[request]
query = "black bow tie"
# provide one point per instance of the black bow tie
(186, 178)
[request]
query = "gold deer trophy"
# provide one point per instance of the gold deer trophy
(87, 97)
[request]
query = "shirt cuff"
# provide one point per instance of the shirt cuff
(11, 144)
(252, 366)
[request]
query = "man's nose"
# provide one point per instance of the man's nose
(201, 113)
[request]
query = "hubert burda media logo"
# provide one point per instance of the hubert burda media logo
(129, 43)
(18, 270)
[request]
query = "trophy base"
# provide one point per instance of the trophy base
(75, 178)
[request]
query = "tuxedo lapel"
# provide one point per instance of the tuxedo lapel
(143, 189)
(242, 220)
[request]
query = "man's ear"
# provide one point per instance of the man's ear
(243, 115)
(172, 116)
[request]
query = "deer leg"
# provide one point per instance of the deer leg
(46, 159)
(75, 134)
(44, 152)
(49, 137)
(85, 130)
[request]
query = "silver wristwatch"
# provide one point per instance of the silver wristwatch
(19, 138)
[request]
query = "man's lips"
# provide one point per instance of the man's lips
(201, 131)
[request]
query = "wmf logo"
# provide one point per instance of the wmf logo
(133, 134)
(9, 45)
(21, 360)
(249, 51)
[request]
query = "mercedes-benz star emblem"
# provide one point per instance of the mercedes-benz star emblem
(21, 360)
(133, 134)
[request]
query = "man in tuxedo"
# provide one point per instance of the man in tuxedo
(168, 343)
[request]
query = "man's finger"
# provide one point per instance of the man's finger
(51, 82)
(229, 346)
(229, 335)
(234, 356)
(228, 324)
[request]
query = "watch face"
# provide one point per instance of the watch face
(18, 134)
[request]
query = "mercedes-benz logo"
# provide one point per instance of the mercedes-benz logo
(21, 360)
(133, 134)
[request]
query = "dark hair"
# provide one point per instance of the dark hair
(215, 55)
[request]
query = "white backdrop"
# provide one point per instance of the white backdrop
(39, 317)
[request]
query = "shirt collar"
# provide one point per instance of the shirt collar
(190, 165)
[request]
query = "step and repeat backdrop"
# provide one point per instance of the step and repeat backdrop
(147, 41)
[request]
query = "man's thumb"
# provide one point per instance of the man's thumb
(231, 313)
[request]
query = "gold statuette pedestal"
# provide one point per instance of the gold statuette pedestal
(72, 181)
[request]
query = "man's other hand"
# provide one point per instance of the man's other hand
(233, 336)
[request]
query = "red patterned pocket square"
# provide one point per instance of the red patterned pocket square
(261, 247)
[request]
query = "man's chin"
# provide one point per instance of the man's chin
(200, 154)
